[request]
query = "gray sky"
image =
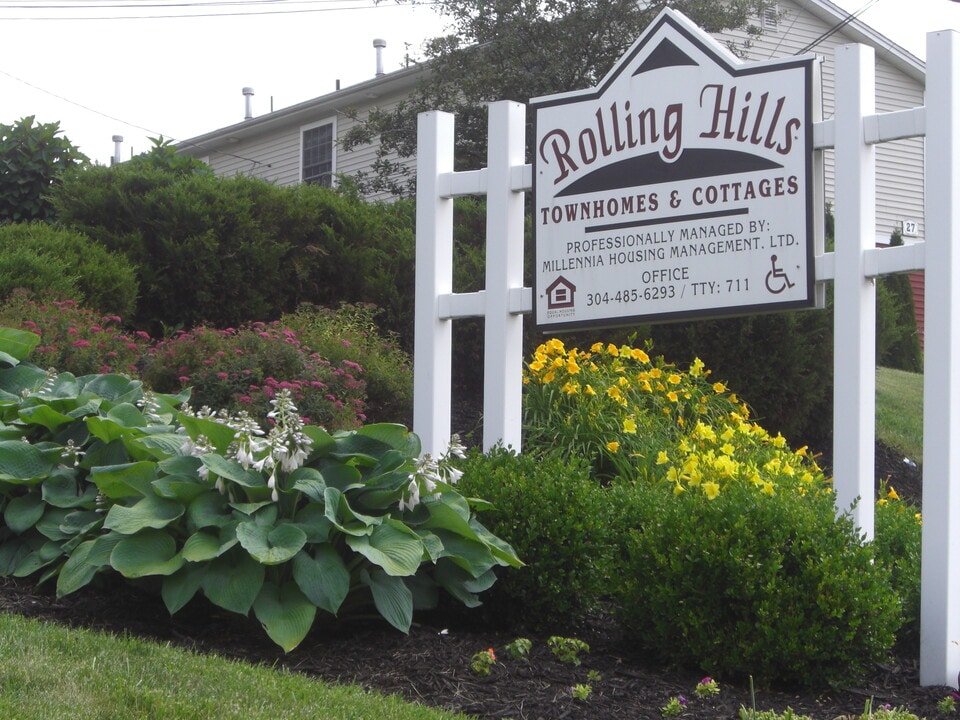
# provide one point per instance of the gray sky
(126, 67)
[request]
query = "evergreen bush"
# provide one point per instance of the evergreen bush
(554, 516)
(62, 264)
(750, 584)
(224, 251)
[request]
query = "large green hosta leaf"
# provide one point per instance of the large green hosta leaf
(474, 557)
(233, 581)
(84, 562)
(126, 479)
(461, 584)
(391, 596)
(180, 587)
(285, 613)
(204, 545)
(114, 388)
(23, 511)
(23, 463)
(76, 571)
(392, 546)
(151, 552)
(39, 559)
(61, 491)
(323, 578)
(44, 415)
(218, 434)
(209, 509)
(271, 545)
(233, 471)
(150, 512)
(16, 345)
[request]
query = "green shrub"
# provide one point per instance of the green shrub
(553, 515)
(897, 538)
(75, 339)
(244, 368)
(224, 251)
(898, 340)
(65, 265)
(773, 586)
(350, 334)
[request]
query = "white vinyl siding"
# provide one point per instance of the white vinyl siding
(899, 164)
(275, 156)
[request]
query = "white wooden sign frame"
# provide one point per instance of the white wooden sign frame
(853, 268)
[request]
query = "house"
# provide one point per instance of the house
(300, 143)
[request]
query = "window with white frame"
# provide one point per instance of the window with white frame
(317, 154)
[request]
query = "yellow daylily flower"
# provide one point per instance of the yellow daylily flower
(711, 490)
(696, 367)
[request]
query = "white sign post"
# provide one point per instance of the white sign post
(681, 186)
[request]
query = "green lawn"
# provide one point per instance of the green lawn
(900, 411)
(49, 672)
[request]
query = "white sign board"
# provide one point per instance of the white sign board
(679, 187)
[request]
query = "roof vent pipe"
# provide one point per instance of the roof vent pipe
(117, 141)
(248, 103)
(380, 44)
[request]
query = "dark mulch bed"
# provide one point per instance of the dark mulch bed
(431, 665)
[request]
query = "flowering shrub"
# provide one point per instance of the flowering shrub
(350, 333)
(245, 368)
(100, 475)
(75, 339)
(641, 418)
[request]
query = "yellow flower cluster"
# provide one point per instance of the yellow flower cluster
(639, 418)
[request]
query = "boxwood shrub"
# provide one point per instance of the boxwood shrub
(749, 584)
(553, 515)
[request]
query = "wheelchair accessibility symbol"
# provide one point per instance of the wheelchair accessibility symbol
(777, 280)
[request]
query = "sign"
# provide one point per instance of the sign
(679, 187)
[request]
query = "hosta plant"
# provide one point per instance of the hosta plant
(99, 475)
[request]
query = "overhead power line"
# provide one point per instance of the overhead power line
(241, 8)
(850, 17)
